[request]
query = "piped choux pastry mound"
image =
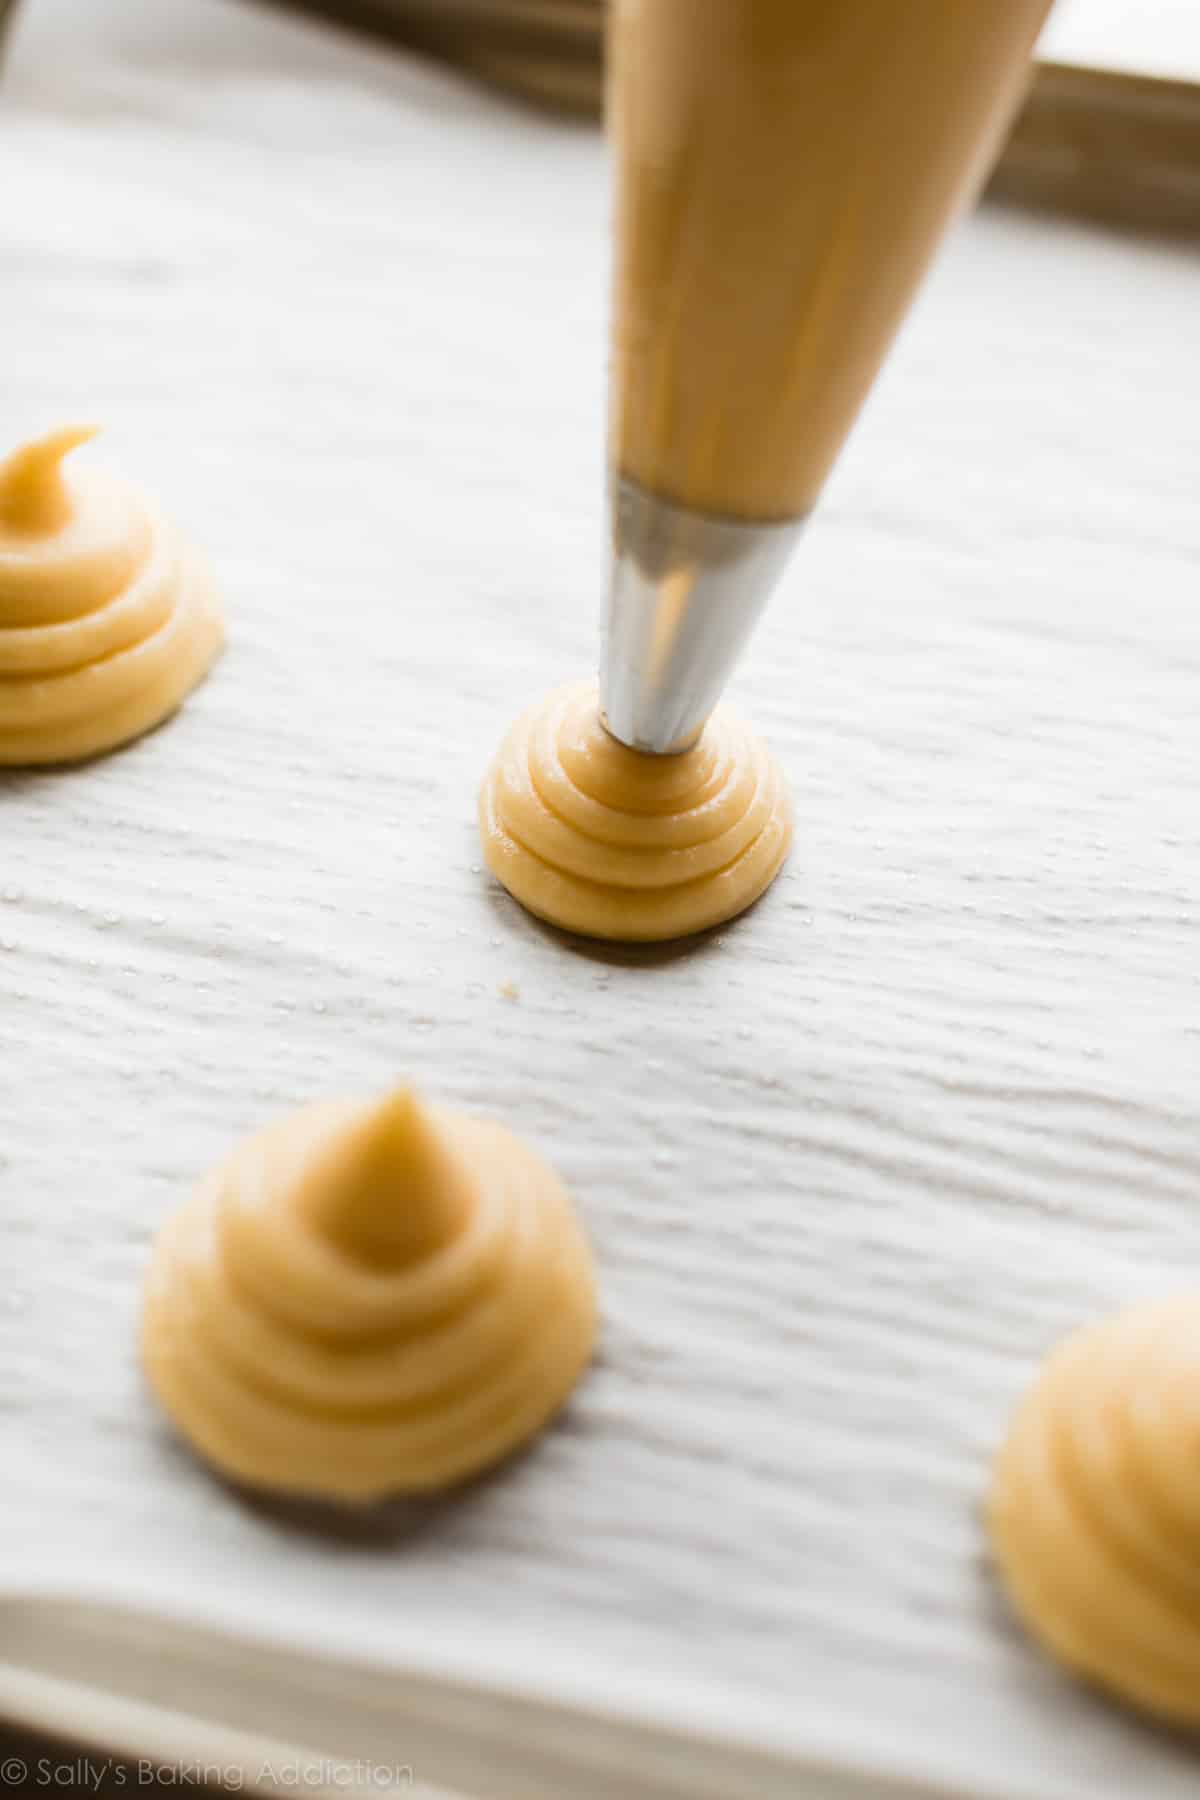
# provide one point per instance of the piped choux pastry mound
(1095, 1509)
(369, 1299)
(107, 620)
(613, 843)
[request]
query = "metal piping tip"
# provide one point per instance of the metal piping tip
(685, 592)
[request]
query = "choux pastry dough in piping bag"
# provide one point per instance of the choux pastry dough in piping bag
(369, 1298)
(107, 619)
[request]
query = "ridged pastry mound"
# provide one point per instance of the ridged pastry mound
(1095, 1510)
(369, 1299)
(613, 843)
(107, 620)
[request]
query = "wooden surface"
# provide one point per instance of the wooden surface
(852, 1164)
(1119, 149)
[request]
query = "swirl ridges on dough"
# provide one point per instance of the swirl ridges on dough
(369, 1299)
(611, 843)
(1095, 1510)
(107, 620)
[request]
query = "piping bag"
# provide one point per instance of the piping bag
(785, 170)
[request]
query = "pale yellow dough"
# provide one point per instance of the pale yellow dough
(612, 843)
(1095, 1511)
(369, 1299)
(107, 620)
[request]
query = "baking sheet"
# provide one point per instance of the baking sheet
(851, 1164)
